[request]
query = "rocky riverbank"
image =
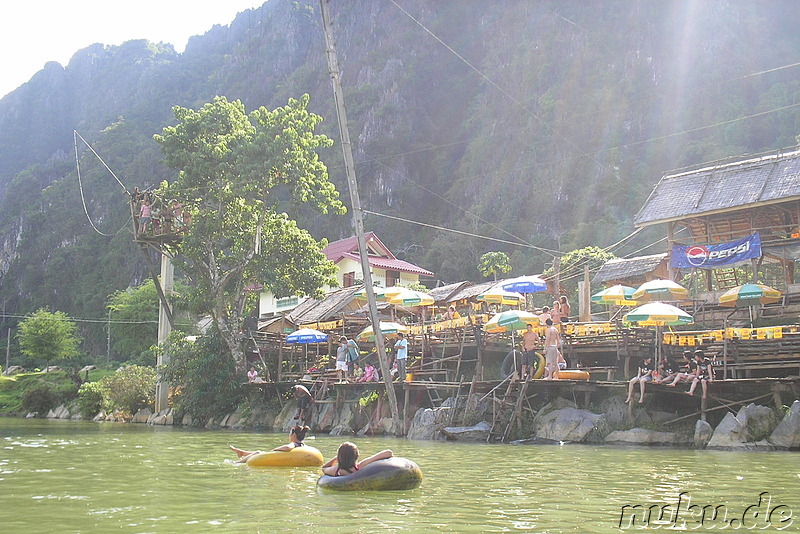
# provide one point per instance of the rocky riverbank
(753, 427)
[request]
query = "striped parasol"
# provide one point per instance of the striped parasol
(658, 314)
(749, 295)
(510, 321)
(388, 328)
(498, 295)
(658, 290)
(410, 297)
(617, 295)
(382, 294)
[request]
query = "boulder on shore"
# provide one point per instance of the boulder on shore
(142, 416)
(787, 434)
(568, 424)
(643, 436)
(702, 434)
(745, 430)
(479, 432)
(427, 423)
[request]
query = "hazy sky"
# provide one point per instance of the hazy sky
(33, 32)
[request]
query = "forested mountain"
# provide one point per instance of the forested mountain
(542, 121)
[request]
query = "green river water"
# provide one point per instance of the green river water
(65, 476)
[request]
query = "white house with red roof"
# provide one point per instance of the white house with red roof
(387, 271)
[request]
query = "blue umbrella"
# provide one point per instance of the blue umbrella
(306, 335)
(525, 284)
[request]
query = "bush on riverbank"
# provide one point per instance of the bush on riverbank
(203, 378)
(37, 391)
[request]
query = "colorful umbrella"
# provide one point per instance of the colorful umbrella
(525, 284)
(498, 295)
(617, 295)
(658, 314)
(387, 328)
(410, 297)
(382, 294)
(306, 335)
(658, 290)
(749, 295)
(510, 321)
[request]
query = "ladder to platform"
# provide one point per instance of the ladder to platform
(509, 411)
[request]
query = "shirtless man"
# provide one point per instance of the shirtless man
(530, 340)
(551, 339)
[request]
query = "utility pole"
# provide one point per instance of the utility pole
(164, 327)
(8, 348)
(358, 217)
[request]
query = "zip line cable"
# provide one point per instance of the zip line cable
(75, 136)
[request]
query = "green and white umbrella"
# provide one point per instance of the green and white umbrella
(749, 295)
(658, 314)
(382, 294)
(659, 290)
(388, 328)
(410, 297)
(617, 295)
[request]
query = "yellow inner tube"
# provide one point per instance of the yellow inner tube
(304, 456)
(573, 374)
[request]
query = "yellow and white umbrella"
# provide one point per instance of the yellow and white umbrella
(410, 297)
(498, 295)
(658, 290)
(382, 294)
(388, 328)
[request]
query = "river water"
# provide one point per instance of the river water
(66, 476)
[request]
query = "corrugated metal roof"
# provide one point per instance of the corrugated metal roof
(769, 179)
(621, 268)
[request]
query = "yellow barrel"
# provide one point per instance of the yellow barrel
(304, 456)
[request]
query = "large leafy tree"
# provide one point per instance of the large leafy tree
(49, 336)
(239, 173)
(494, 263)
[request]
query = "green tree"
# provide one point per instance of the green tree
(493, 263)
(134, 322)
(238, 173)
(50, 336)
(571, 266)
(203, 376)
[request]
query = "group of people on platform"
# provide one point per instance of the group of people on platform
(554, 358)
(696, 369)
(153, 216)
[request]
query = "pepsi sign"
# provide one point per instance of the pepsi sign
(716, 255)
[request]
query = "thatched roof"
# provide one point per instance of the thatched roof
(444, 294)
(334, 304)
(743, 184)
(619, 269)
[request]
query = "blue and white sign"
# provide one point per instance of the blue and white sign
(716, 255)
